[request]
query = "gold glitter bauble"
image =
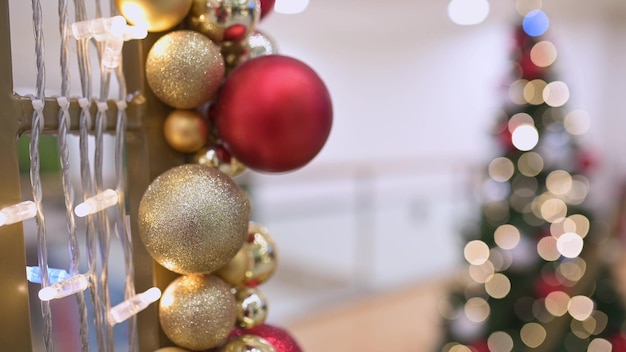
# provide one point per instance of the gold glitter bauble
(251, 307)
(211, 157)
(255, 262)
(247, 343)
(193, 219)
(186, 131)
(224, 20)
(171, 349)
(197, 311)
(156, 15)
(184, 69)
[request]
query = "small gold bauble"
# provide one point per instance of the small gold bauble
(251, 307)
(193, 219)
(211, 157)
(184, 69)
(197, 312)
(224, 20)
(157, 16)
(247, 343)
(255, 262)
(171, 349)
(186, 130)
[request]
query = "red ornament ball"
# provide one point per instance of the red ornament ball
(277, 337)
(266, 7)
(274, 113)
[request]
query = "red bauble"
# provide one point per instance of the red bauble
(278, 337)
(273, 114)
(266, 7)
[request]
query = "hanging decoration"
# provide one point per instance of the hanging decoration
(236, 105)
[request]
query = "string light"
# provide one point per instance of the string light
(113, 31)
(74, 284)
(133, 305)
(18, 212)
(100, 201)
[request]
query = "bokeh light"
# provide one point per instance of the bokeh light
(530, 164)
(543, 54)
(477, 309)
(476, 252)
(536, 23)
(553, 210)
(557, 303)
(577, 122)
(468, 12)
(501, 169)
(481, 273)
(546, 248)
(498, 286)
(534, 91)
(556, 93)
(533, 334)
(507, 236)
(500, 341)
(570, 244)
(516, 91)
(580, 307)
(577, 223)
(599, 345)
(559, 182)
(525, 137)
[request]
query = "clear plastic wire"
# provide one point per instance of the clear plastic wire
(84, 65)
(68, 189)
(123, 225)
(35, 179)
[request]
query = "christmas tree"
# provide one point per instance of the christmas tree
(537, 277)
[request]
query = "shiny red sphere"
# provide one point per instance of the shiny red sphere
(267, 6)
(279, 338)
(273, 113)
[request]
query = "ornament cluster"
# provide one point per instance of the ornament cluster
(232, 95)
(236, 104)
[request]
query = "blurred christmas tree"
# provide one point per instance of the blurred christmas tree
(537, 278)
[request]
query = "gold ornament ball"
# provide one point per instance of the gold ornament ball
(197, 312)
(186, 130)
(247, 343)
(251, 307)
(184, 69)
(255, 262)
(210, 157)
(193, 219)
(156, 15)
(224, 20)
(171, 349)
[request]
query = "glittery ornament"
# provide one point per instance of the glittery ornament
(224, 20)
(273, 113)
(251, 307)
(193, 219)
(255, 262)
(197, 311)
(184, 69)
(171, 349)
(186, 130)
(247, 343)
(256, 45)
(156, 15)
(260, 44)
(277, 337)
(218, 157)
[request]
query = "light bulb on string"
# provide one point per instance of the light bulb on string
(100, 201)
(18, 212)
(67, 287)
(133, 305)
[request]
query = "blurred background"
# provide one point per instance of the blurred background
(368, 233)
